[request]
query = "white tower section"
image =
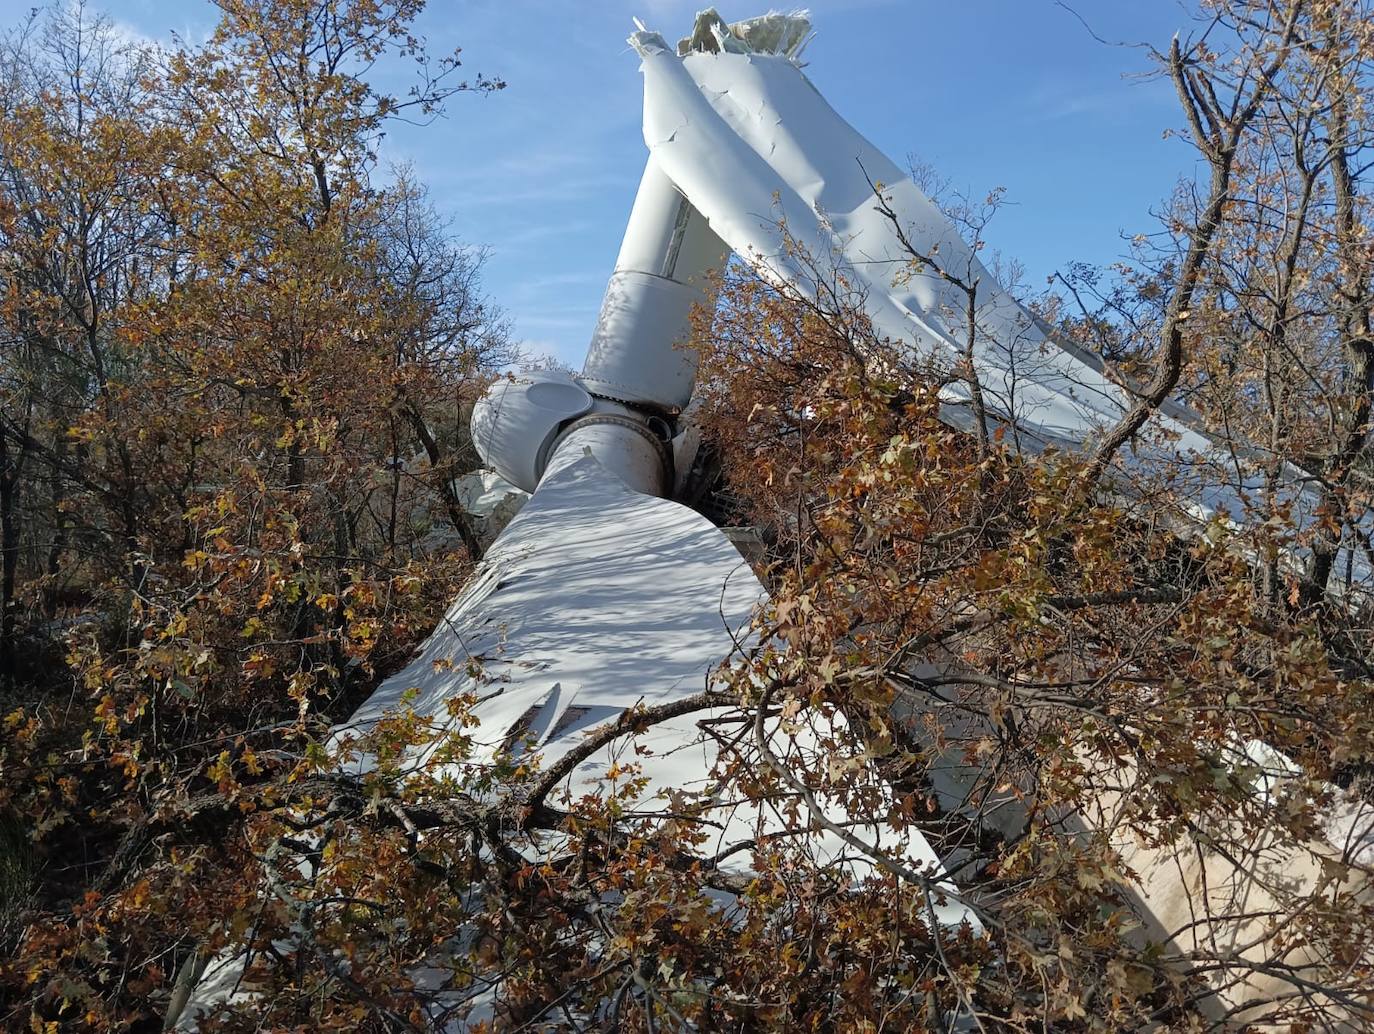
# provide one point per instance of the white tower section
(639, 371)
(663, 271)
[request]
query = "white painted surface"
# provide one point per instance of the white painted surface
(596, 599)
(662, 272)
(514, 424)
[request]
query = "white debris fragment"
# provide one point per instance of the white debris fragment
(773, 33)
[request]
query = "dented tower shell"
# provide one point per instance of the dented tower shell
(638, 352)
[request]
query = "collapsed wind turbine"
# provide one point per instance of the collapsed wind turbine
(602, 595)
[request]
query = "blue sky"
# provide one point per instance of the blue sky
(1009, 93)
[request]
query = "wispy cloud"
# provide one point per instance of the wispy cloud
(544, 283)
(130, 34)
(545, 230)
(1124, 102)
(536, 190)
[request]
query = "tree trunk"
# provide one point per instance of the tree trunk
(9, 558)
(1358, 346)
